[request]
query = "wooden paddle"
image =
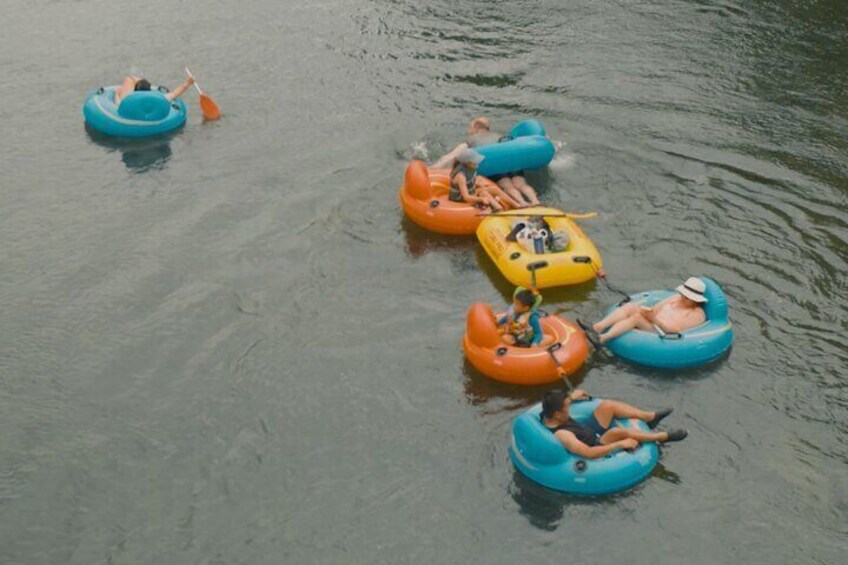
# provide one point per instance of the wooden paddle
(518, 214)
(207, 105)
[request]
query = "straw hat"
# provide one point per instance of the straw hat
(693, 289)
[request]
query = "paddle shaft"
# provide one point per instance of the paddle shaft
(519, 215)
(197, 86)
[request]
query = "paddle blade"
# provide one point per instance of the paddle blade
(209, 108)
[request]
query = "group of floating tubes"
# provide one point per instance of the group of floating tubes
(534, 450)
(140, 113)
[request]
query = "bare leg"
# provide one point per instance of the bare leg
(635, 321)
(446, 161)
(495, 190)
(608, 410)
(622, 312)
(126, 87)
(508, 339)
(506, 185)
(491, 202)
(617, 434)
(520, 184)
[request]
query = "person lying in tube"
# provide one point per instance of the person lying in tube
(599, 436)
(137, 84)
(675, 314)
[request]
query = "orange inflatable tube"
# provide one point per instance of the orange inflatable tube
(522, 365)
(424, 197)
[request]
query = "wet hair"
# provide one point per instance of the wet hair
(552, 402)
(142, 84)
(526, 297)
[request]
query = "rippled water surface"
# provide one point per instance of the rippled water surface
(230, 347)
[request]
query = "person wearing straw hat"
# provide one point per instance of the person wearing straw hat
(673, 315)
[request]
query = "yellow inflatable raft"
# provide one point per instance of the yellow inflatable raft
(579, 262)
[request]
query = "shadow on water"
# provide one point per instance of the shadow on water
(138, 155)
(691, 374)
(480, 390)
(420, 241)
(544, 508)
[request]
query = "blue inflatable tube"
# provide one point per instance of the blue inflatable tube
(528, 148)
(140, 114)
(691, 348)
(540, 456)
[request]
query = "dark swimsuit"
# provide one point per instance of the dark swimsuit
(470, 183)
(589, 434)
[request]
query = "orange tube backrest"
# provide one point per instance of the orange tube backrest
(481, 326)
(417, 180)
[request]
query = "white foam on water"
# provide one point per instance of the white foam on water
(420, 151)
(562, 159)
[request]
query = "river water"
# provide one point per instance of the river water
(229, 346)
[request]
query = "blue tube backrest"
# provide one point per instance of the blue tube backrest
(538, 443)
(716, 307)
(527, 127)
(148, 106)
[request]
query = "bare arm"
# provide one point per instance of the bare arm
(445, 162)
(577, 447)
(126, 87)
(462, 184)
(180, 90)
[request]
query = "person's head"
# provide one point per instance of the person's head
(692, 291)
(479, 124)
(469, 159)
(555, 405)
(523, 300)
(142, 84)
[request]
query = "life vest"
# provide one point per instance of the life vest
(470, 180)
(519, 325)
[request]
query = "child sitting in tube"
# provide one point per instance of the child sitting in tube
(519, 325)
(463, 187)
(137, 84)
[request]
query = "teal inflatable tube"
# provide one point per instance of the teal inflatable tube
(140, 114)
(540, 456)
(691, 348)
(526, 147)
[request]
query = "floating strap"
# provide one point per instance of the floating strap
(602, 275)
(551, 350)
